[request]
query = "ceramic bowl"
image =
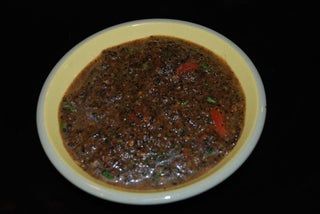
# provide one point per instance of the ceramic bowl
(78, 57)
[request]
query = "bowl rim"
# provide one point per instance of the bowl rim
(162, 196)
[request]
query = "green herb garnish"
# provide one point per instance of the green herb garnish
(106, 141)
(181, 132)
(185, 102)
(64, 126)
(145, 65)
(206, 67)
(131, 50)
(107, 174)
(69, 107)
(210, 151)
(156, 176)
(211, 100)
(167, 54)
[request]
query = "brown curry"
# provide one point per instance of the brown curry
(152, 113)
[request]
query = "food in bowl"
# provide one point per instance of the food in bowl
(152, 113)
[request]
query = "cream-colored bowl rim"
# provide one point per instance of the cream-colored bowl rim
(235, 57)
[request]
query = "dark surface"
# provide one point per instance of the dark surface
(283, 168)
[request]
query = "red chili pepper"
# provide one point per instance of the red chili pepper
(219, 120)
(189, 66)
(186, 152)
(133, 118)
(139, 114)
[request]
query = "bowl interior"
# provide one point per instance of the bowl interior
(76, 59)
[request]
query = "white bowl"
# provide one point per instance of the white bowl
(78, 57)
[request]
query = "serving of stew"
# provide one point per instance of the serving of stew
(153, 113)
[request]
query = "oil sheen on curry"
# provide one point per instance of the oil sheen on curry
(153, 113)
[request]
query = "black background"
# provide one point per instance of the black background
(279, 39)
